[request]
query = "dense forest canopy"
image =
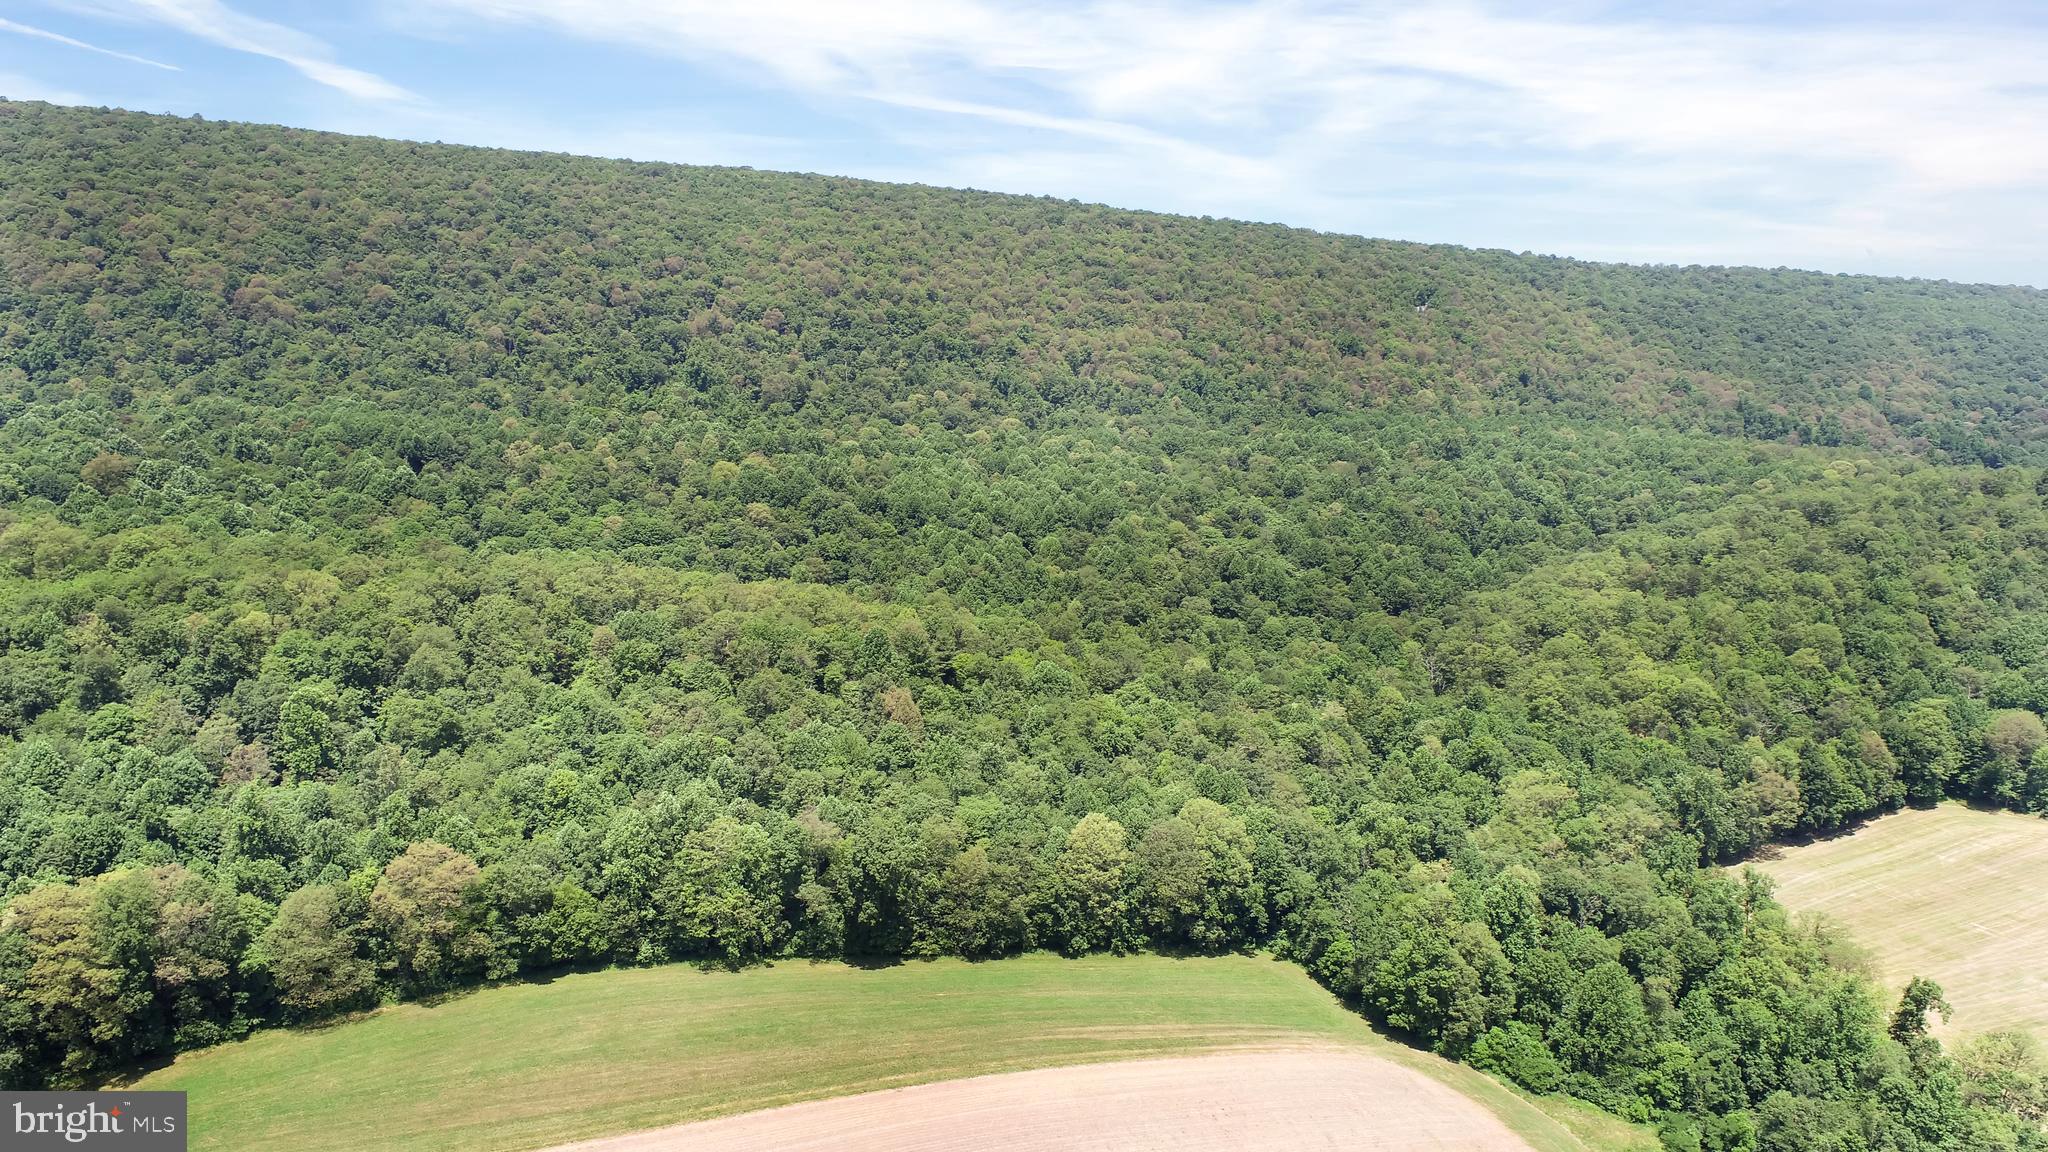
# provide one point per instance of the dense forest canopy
(422, 565)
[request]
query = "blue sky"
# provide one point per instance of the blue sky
(1881, 136)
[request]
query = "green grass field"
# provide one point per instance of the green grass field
(528, 1066)
(1950, 893)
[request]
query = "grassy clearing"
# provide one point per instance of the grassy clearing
(1951, 893)
(528, 1066)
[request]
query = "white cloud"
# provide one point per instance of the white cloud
(41, 34)
(1942, 107)
(216, 22)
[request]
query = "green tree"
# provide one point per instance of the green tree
(1921, 997)
(313, 953)
(1091, 907)
(979, 907)
(2005, 1071)
(422, 910)
(1928, 748)
(306, 741)
(724, 893)
(1196, 873)
(1605, 1028)
(1517, 1052)
(89, 952)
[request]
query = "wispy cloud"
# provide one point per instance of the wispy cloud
(1951, 109)
(215, 22)
(41, 34)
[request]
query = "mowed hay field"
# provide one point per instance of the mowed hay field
(1951, 893)
(593, 1054)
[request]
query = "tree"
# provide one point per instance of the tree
(421, 908)
(573, 930)
(724, 893)
(1924, 738)
(306, 741)
(1921, 997)
(978, 906)
(86, 982)
(1195, 870)
(1428, 972)
(2005, 1071)
(2015, 735)
(313, 954)
(1516, 1051)
(107, 471)
(1605, 1028)
(1091, 909)
(201, 935)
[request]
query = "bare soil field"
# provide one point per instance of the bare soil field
(1226, 1102)
(1951, 893)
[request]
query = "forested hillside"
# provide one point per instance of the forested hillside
(421, 565)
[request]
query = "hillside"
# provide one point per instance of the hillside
(422, 565)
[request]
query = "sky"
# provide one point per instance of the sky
(1875, 136)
